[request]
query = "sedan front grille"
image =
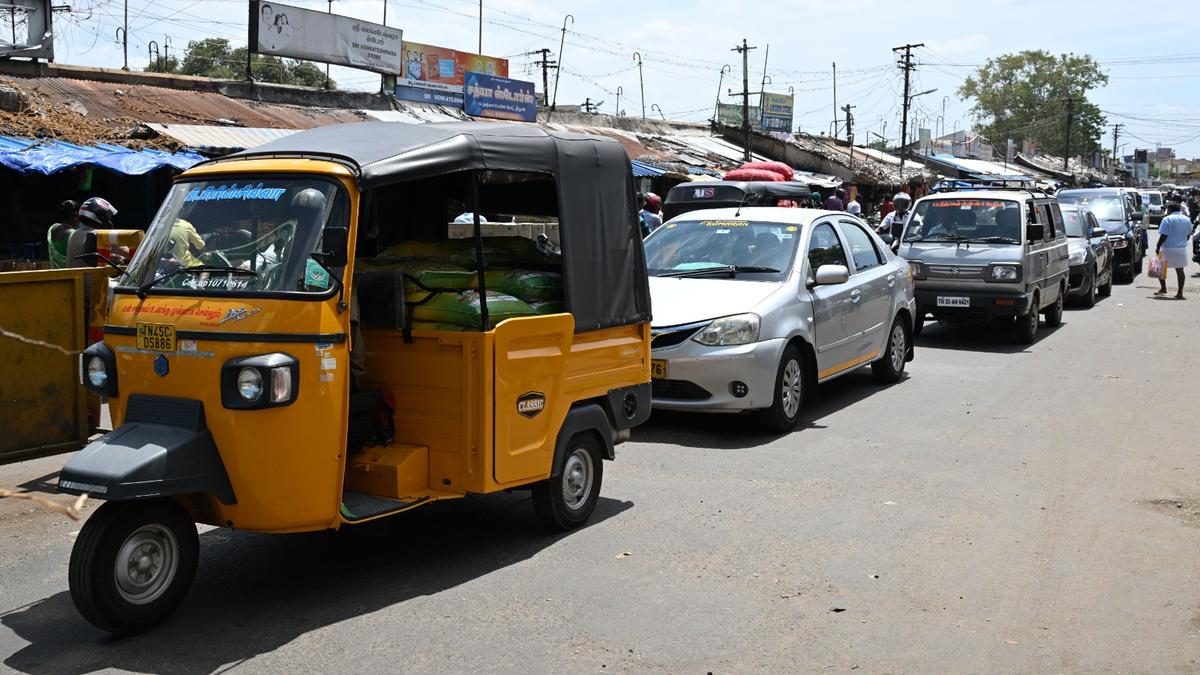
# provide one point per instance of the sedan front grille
(673, 335)
(954, 271)
(679, 390)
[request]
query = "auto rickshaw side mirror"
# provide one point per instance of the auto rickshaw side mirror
(334, 242)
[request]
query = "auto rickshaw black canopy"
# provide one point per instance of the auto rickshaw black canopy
(604, 267)
(727, 194)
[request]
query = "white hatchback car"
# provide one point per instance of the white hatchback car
(754, 307)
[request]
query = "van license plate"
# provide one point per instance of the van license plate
(658, 369)
(953, 301)
(156, 337)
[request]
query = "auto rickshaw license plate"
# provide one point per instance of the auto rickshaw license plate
(157, 337)
(658, 369)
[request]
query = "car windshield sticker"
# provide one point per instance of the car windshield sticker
(724, 223)
(970, 204)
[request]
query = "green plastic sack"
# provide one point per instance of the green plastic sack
(513, 252)
(462, 309)
(528, 285)
(549, 307)
(429, 273)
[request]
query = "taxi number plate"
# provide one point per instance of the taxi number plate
(156, 337)
(658, 369)
(953, 301)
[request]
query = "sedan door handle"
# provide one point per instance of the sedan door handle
(855, 295)
(891, 280)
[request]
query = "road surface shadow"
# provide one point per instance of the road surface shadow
(255, 593)
(734, 431)
(993, 337)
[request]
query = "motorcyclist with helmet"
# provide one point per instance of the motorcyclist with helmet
(651, 214)
(895, 221)
(95, 213)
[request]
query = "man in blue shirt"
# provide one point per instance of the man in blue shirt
(1173, 234)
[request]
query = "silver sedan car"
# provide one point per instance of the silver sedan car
(754, 307)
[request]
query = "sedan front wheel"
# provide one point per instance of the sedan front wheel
(784, 412)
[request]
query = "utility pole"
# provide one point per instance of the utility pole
(744, 50)
(720, 82)
(907, 66)
(762, 89)
(125, 37)
(835, 108)
(589, 107)
(620, 91)
(546, 64)
(1070, 117)
(1116, 135)
(558, 69)
(480, 27)
(637, 56)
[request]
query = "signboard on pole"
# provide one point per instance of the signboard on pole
(438, 74)
(499, 97)
(283, 30)
(776, 112)
(730, 114)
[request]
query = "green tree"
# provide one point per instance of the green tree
(1024, 96)
(214, 57)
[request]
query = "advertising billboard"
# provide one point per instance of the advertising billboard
(776, 112)
(730, 114)
(437, 74)
(499, 97)
(283, 30)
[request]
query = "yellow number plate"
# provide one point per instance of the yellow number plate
(158, 337)
(658, 369)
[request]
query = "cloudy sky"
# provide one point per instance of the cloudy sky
(1147, 48)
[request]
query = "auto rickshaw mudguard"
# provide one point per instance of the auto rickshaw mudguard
(164, 448)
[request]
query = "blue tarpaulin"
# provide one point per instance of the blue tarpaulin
(45, 156)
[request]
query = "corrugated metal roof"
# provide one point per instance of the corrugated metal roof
(215, 141)
(981, 168)
(644, 170)
(143, 103)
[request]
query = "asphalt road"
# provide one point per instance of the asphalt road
(1002, 509)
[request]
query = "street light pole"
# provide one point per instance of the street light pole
(637, 56)
(558, 71)
(619, 92)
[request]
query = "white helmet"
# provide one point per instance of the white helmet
(901, 197)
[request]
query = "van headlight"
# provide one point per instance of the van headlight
(1005, 273)
(266, 381)
(739, 329)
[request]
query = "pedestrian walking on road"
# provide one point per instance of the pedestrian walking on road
(1174, 232)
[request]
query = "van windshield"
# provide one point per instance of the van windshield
(696, 245)
(965, 219)
(261, 231)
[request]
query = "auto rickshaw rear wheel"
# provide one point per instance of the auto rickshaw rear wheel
(566, 500)
(132, 564)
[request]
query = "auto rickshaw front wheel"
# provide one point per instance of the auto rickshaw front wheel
(132, 564)
(567, 499)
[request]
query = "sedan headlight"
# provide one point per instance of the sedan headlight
(739, 329)
(1078, 257)
(1005, 273)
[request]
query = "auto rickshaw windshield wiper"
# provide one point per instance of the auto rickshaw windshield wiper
(731, 270)
(141, 290)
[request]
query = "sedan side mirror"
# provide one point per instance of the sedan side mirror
(832, 275)
(1098, 233)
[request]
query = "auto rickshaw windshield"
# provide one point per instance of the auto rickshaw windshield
(265, 229)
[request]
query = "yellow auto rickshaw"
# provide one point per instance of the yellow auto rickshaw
(306, 340)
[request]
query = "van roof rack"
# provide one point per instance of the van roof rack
(1015, 184)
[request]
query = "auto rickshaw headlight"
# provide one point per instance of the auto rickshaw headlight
(250, 384)
(265, 381)
(97, 374)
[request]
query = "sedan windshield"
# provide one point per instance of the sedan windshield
(1104, 207)
(726, 246)
(965, 219)
(226, 235)
(1075, 222)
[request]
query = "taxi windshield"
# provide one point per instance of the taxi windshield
(238, 235)
(735, 245)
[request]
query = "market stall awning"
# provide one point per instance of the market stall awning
(216, 141)
(644, 170)
(46, 156)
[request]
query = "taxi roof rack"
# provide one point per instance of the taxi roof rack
(1014, 184)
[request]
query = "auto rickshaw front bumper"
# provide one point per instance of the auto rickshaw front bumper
(164, 448)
